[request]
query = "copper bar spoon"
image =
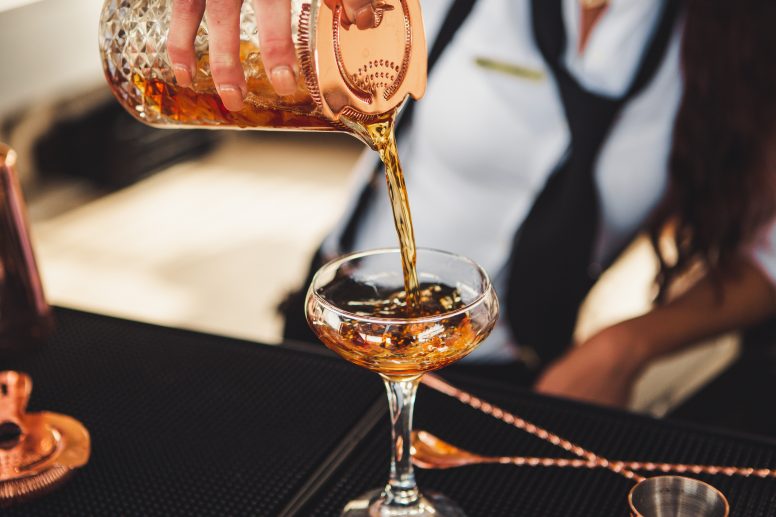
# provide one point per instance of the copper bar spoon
(431, 452)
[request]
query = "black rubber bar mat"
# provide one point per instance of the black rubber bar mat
(525, 491)
(189, 424)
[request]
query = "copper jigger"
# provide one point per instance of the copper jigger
(38, 451)
(676, 496)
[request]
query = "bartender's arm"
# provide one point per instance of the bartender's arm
(604, 369)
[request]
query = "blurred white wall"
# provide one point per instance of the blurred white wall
(48, 48)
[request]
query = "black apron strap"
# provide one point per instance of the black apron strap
(550, 267)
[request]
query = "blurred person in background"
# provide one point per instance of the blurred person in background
(552, 133)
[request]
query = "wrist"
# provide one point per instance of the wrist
(628, 344)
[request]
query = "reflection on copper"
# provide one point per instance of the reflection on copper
(25, 317)
(37, 450)
(364, 74)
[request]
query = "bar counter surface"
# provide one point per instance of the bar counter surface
(184, 423)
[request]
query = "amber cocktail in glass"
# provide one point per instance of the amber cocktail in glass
(358, 307)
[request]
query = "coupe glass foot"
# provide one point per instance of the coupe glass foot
(430, 504)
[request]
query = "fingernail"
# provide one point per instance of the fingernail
(182, 75)
(283, 80)
(365, 17)
(231, 96)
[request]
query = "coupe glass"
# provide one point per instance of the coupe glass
(355, 306)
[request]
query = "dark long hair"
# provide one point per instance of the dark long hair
(722, 163)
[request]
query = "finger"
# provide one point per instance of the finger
(360, 12)
(273, 19)
(223, 23)
(186, 15)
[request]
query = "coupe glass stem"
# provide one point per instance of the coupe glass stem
(401, 490)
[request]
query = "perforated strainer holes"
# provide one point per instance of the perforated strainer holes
(376, 74)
